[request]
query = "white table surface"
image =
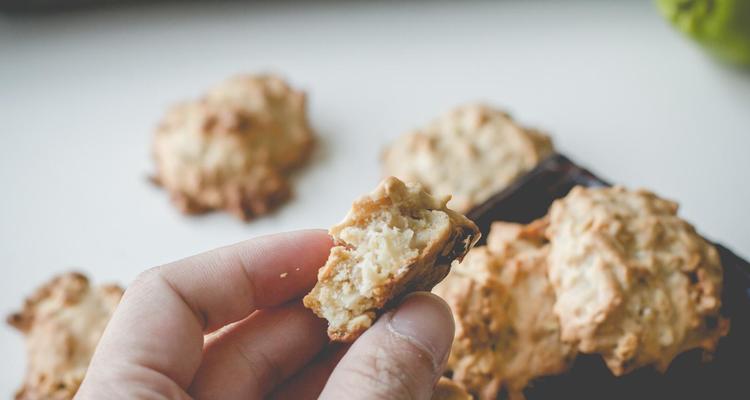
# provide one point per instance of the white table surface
(80, 93)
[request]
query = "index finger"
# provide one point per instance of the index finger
(160, 323)
(227, 284)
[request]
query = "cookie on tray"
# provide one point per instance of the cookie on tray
(233, 149)
(470, 153)
(506, 331)
(396, 240)
(62, 322)
(634, 282)
(448, 389)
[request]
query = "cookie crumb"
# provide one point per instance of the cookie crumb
(283, 275)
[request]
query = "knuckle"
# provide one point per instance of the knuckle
(265, 370)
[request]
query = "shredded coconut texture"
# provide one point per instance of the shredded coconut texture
(233, 148)
(62, 321)
(634, 282)
(470, 153)
(394, 241)
(506, 332)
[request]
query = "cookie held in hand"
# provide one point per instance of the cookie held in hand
(394, 241)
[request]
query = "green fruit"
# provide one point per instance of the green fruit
(721, 26)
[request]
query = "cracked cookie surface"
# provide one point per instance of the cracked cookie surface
(471, 153)
(634, 282)
(62, 322)
(506, 331)
(233, 148)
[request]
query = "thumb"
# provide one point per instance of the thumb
(400, 357)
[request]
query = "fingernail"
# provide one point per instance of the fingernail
(425, 320)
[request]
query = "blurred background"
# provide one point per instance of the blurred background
(81, 89)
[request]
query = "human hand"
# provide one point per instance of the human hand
(264, 342)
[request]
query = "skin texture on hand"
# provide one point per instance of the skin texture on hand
(229, 324)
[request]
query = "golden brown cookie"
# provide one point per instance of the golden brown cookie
(470, 153)
(232, 149)
(62, 321)
(506, 332)
(396, 240)
(447, 389)
(634, 282)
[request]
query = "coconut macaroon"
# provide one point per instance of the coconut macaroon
(233, 148)
(506, 331)
(447, 389)
(470, 153)
(397, 240)
(62, 321)
(634, 282)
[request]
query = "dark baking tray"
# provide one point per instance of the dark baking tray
(726, 376)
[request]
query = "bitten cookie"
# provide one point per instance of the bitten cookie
(634, 282)
(394, 241)
(506, 332)
(62, 321)
(470, 153)
(232, 149)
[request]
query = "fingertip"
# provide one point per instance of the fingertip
(283, 265)
(426, 320)
(310, 237)
(401, 356)
(319, 232)
(314, 243)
